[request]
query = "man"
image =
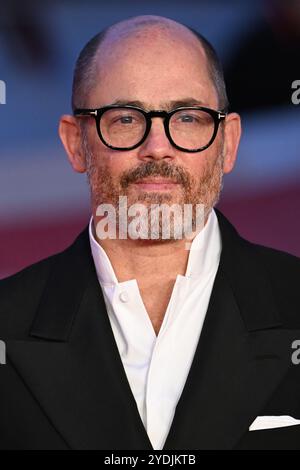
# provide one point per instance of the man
(136, 342)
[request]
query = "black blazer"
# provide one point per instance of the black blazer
(64, 386)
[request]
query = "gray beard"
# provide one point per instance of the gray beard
(204, 192)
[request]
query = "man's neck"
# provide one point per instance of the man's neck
(144, 259)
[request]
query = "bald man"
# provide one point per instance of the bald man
(159, 327)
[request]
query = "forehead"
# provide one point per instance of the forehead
(152, 66)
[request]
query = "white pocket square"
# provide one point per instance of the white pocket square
(272, 422)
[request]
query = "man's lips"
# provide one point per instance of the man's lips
(155, 183)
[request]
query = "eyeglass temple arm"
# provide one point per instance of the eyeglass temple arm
(85, 112)
(222, 115)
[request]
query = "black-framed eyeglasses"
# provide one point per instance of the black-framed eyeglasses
(190, 129)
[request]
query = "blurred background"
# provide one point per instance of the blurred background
(44, 204)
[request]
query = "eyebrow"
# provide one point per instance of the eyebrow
(168, 106)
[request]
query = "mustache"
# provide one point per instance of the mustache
(175, 173)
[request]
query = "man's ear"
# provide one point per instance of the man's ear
(232, 135)
(70, 134)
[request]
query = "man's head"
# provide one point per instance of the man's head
(87, 66)
(157, 64)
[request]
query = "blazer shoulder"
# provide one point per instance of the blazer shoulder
(20, 294)
(283, 272)
(278, 262)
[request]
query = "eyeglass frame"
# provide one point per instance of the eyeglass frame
(97, 113)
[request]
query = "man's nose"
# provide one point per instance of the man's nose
(157, 145)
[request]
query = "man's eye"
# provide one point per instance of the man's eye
(187, 118)
(126, 120)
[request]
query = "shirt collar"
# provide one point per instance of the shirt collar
(205, 251)
(104, 269)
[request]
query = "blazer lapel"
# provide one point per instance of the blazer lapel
(71, 362)
(242, 354)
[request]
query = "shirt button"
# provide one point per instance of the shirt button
(123, 296)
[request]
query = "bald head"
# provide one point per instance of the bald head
(134, 32)
(144, 24)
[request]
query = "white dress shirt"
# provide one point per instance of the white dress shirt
(157, 366)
